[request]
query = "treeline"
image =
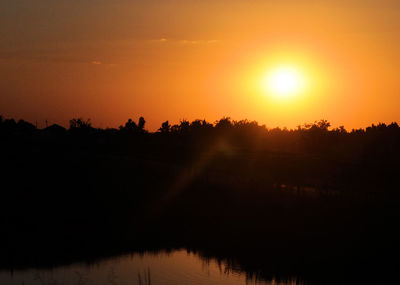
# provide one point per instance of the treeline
(318, 137)
(312, 155)
(311, 199)
(224, 125)
(11, 126)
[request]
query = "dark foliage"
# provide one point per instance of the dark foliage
(310, 202)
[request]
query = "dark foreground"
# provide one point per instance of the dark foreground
(326, 210)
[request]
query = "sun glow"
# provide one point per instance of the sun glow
(283, 82)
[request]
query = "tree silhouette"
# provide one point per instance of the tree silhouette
(130, 126)
(224, 123)
(165, 128)
(184, 126)
(79, 123)
(141, 124)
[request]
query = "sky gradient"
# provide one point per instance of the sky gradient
(171, 60)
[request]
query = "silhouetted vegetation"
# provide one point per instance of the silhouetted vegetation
(276, 202)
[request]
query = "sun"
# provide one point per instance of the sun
(283, 82)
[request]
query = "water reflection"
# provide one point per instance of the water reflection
(166, 268)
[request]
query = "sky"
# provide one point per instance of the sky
(199, 59)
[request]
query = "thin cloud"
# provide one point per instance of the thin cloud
(186, 41)
(189, 42)
(161, 40)
(96, 62)
(198, 42)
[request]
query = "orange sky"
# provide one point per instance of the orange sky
(165, 59)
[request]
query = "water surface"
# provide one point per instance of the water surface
(162, 268)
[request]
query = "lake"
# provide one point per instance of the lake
(162, 268)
